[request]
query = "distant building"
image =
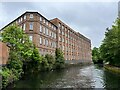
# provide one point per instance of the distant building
(48, 35)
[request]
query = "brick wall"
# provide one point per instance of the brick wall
(4, 53)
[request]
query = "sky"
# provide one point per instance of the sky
(89, 17)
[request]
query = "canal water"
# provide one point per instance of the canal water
(76, 76)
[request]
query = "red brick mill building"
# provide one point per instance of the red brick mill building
(48, 35)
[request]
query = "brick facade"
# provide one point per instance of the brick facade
(48, 35)
(4, 53)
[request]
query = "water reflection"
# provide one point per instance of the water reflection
(111, 80)
(79, 76)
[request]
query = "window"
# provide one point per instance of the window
(63, 48)
(49, 33)
(59, 38)
(40, 28)
(40, 40)
(67, 41)
(46, 22)
(51, 44)
(30, 38)
(62, 27)
(43, 20)
(63, 40)
(46, 31)
(24, 17)
(54, 28)
(54, 35)
(40, 18)
(59, 25)
(54, 44)
(46, 42)
(31, 15)
(21, 19)
(24, 27)
(62, 32)
(31, 25)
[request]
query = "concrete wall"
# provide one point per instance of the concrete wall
(4, 53)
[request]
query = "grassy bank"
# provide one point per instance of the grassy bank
(112, 69)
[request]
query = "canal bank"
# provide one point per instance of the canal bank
(76, 76)
(112, 69)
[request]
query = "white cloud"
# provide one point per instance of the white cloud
(90, 19)
(3, 15)
(59, 0)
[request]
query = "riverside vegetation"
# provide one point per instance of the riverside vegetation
(24, 57)
(109, 51)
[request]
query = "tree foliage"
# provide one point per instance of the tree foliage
(96, 56)
(24, 56)
(60, 61)
(50, 60)
(110, 48)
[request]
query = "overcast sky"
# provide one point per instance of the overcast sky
(89, 18)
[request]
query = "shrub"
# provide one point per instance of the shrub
(44, 64)
(7, 76)
(50, 60)
(60, 61)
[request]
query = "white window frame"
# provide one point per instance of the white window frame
(31, 38)
(40, 28)
(24, 17)
(43, 20)
(40, 40)
(31, 25)
(21, 19)
(40, 18)
(31, 15)
(46, 22)
(24, 26)
(46, 31)
(59, 25)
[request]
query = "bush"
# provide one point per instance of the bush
(36, 60)
(44, 64)
(7, 76)
(50, 60)
(60, 61)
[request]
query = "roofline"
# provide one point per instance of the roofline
(24, 14)
(72, 29)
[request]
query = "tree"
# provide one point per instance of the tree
(110, 47)
(50, 60)
(35, 62)
(17, 41)
(60, 61)
(22, 55)
(96, 56)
